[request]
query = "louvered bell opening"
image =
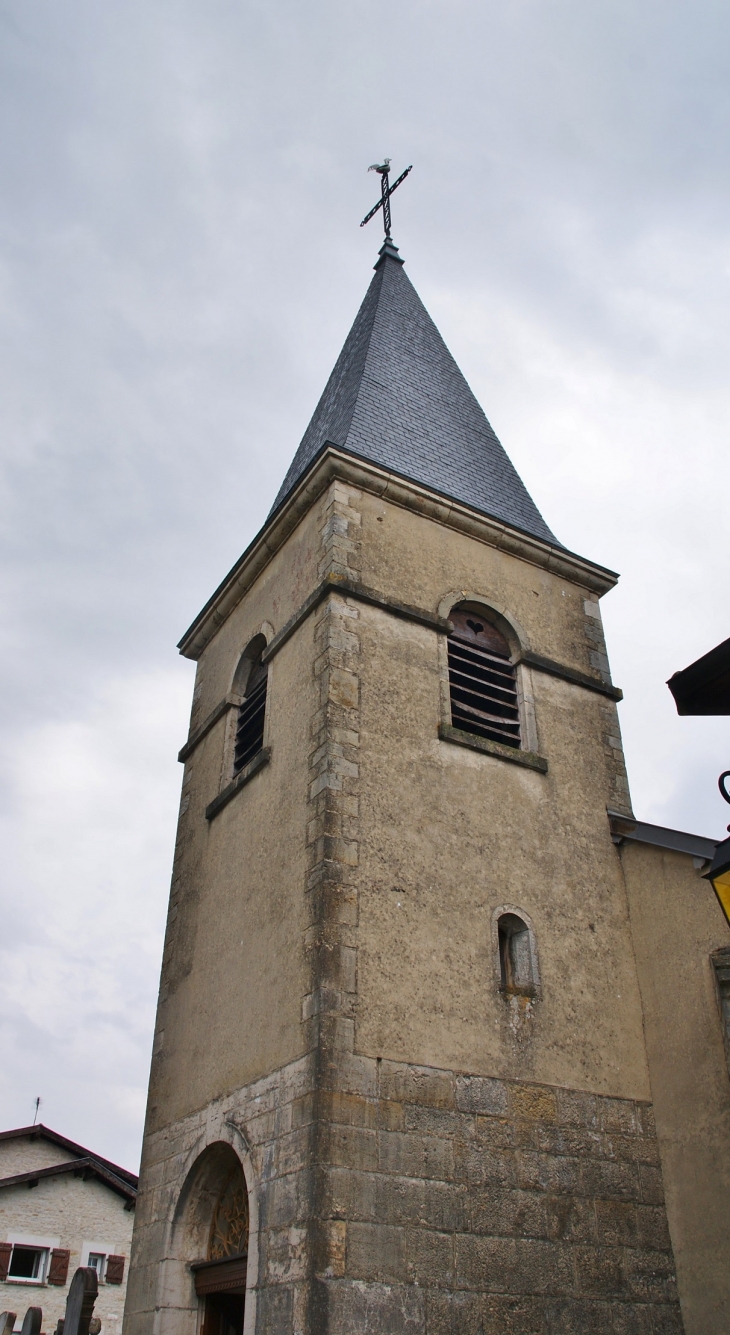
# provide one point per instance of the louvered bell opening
(483, 681)
(250, 730)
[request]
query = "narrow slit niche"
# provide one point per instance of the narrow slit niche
(517, 971)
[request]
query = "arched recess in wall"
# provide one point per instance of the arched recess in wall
(210, 1272)
(517, 967)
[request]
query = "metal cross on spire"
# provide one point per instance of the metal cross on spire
(386, 190)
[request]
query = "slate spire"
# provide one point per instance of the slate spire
(397, 398)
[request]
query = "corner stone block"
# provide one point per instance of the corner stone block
(376, 1252)
(274, 1309)
(578, 1109)
(357, 1075)
(343, 688)
(497, 1213)
(645, 1113)
(478, 1094)
(571, 1219)
(666, 1321)
(600, 1272)
(279, 1204)
(430, 1257)
(652, 1228)
(378, 1309)
(651, 1277)
(651, 1186)
(415, 1156)
(615, 1181)
(617, 1223)
(345, 1194)
(330, 1248)
(400, 1200)
(416, 1084)
(349, 1109)
(534, 1102)
(352, 1147)
(620, 1115)
(513, 1265)
(292, 1151)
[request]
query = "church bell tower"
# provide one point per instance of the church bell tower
(399, 1082)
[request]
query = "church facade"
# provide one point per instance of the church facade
(439, 1049)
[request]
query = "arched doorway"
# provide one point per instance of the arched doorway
(220, 1279)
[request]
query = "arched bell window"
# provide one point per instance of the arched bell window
(251, 681)
(482, 679)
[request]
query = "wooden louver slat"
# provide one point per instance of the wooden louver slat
(250, 730)
(482, 680)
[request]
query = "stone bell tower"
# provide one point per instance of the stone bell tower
(399, 1080)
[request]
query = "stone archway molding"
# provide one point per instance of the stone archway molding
(208, 1161)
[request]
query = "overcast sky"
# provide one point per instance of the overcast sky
(180, 261)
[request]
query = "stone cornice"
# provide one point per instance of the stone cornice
(334, 463)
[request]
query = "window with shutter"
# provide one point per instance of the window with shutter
(114, 1269)
(5, 1250)
(28, 1263)
(97, 1261)
(482, 679)
(58, 1268)
(250, 729)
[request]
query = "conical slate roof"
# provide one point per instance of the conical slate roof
(397, 398)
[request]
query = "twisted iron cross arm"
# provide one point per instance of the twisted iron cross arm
(384, 201)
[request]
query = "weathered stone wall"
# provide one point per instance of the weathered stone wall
(425, 1201)
(474, 1206)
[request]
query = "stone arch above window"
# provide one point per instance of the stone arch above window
(516, 953)
(250, 682)
(210, 1243)
(482, 677)
(211, 1179)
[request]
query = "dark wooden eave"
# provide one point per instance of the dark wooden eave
(41, 1132)
(86, 1167)
(704, 686)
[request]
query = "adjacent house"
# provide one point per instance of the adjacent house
(61, 1206)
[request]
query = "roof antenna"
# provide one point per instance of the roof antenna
(37, 1106)
(386, 190)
